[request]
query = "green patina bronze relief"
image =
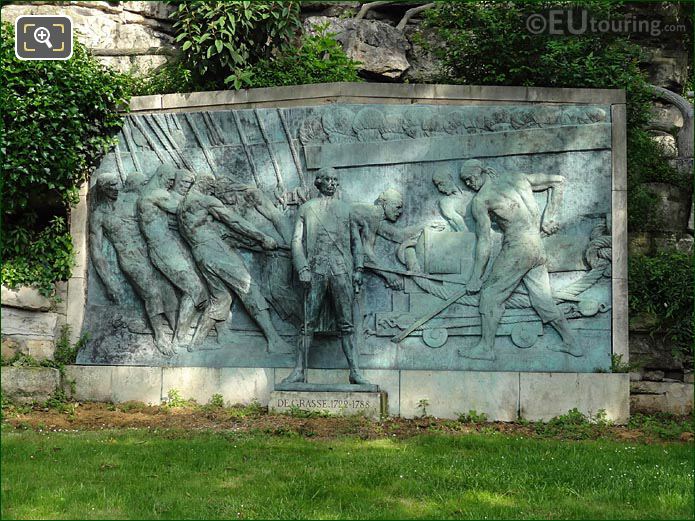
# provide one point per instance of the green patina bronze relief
(360, 236)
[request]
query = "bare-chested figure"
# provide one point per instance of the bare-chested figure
(379, 219)
(117, 223)
(200, 215)
(509, 200)
(169, 255)
(453, 205)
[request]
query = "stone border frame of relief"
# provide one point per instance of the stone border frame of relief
(502, 396)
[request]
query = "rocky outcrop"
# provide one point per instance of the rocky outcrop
(668, 68)
(379, 47)
(128, 36)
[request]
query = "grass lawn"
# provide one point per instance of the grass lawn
(174, 474)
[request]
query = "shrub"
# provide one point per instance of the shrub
(474, 33)
(318, 59)
(59, 118)
(222, 39)
(661, 287)
(216, 400)
(473, 416)
(646, 163)
(65, 352)
(172, 77)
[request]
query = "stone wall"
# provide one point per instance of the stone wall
(31, 322)
(131, 37)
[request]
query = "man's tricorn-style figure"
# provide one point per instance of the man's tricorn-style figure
(509, 200)
(327, 254)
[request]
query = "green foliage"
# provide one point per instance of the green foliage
(662, 426)
(661, 287)
(58, 400)
(65, 352)
(216, 400)
(473, 416)
(172, 77)
(59, 117)
(37, 257)
(618, 366)
(574, 425)
(318, 59)
(646, 163)
(174, 399)
(221, 39)
(475, 33)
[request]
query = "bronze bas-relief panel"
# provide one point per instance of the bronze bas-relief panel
(484, 236)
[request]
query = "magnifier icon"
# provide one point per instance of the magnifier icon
(43, 35)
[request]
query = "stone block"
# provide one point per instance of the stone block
(29, 384)
(546, 395)
(100, 28)
(665, 116)
(77, 296)
(131, 383)
(619, 234)
(10, 347)
(655, 397)
(25, 298)
(666, 141)
(146, 103)
(387, 380)
(39, 349)
(668, 68)
(158, 10)
(688, 378)
(619, 320)
(92, 383)
(371, 405)
(673, 209)
(34, 324)
(61, 296)
(451, 393)
(572, 95)
(238, 385)
(635, 376)
(619, 147)
(653, 375)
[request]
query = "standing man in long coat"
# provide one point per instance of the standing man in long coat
(327, 254)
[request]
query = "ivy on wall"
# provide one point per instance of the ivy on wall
(58, 120)
(661, 294)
